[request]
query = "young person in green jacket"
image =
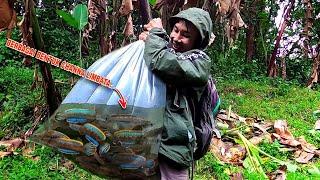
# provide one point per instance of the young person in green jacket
(180, 62)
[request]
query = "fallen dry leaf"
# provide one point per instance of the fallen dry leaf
(3, 154)
(235, 154)
(306, 146)
(28, 149)
(263, 126)
(255, 140)
(279, 174)
(218, 148)
(281, 128)
(68, 164)
(223, 117)
(236, 176)
(304, 157)
(297, 153)
(13, 144)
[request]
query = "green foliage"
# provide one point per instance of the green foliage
(68, 18)
(152, 2)
(43, 163)
(232, 66)
(9, 56)
(78, 18)
(209, 166)
(16, 100)
(273, 99)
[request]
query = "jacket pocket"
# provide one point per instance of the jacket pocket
(176, 122)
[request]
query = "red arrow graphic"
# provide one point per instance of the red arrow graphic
(122, 101)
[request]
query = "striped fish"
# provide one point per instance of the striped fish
(90, 149)
(76, 120)
(67, 144)
(77, 115)
(150, 163)
(124, 121)
(91, 132)
(95, 130)
(129, 161)
(91, 140)
(128, 134)
(52, 134)
(103, 149)
(68, 151)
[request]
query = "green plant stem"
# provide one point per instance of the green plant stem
(235, 129)
(247, 145)
(81, 63)
(261, 151)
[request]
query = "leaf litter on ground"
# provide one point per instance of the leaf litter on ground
(240, 137)
(237, 146)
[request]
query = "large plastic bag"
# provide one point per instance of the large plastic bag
(92, 129)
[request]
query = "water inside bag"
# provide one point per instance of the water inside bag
(92, 130)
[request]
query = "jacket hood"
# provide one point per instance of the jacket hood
(200, 19)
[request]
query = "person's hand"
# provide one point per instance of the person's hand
(143, 36)
(153, 23)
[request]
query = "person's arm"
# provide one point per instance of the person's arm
(183, 69)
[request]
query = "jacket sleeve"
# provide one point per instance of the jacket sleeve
(182, 69)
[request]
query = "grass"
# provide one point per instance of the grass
(269, 99)
(42, 163)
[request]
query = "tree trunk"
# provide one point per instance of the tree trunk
(272, 68)
(283, 68)
(103, 29)
(250, 34)
(307, 27)
(145, 12)
(315, 71)
(52, 95)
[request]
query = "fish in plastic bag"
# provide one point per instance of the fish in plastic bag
(91, 128)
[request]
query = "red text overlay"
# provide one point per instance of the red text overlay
(42, 56)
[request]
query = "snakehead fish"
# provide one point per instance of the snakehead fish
(128, 134)
(76, 120)
(91, 132)
(124, 121)
(88, 162)
(118, 149)
(68, 151)
(128, 161)
(90, 148)
(109, 171)
(76, 115)
(51, 134)
(67, 145)
(103, 149)
(150, 163)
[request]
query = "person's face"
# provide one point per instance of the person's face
(183, 37)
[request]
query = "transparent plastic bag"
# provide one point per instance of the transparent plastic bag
(92, 129)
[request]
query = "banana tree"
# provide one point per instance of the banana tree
(77, 19)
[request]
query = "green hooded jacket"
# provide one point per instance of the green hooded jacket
(183, 73)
